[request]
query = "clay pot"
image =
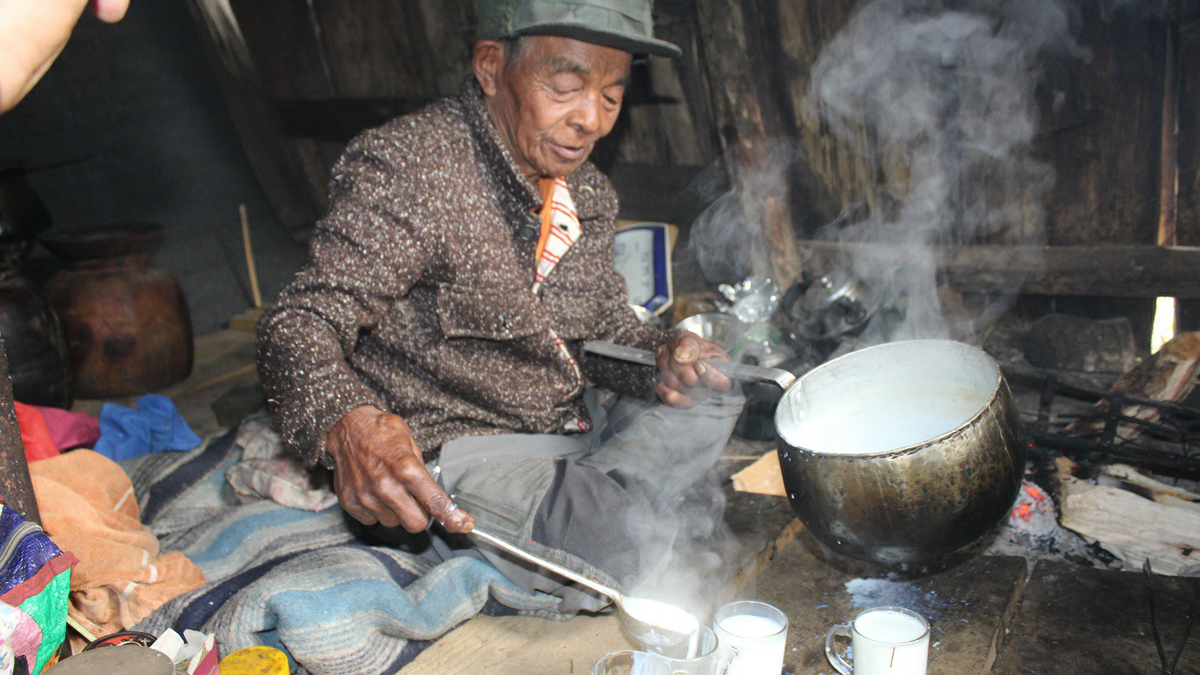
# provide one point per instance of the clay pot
(126, 323)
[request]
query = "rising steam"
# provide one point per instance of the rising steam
(941, 97)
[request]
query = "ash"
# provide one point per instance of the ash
(1031, 531)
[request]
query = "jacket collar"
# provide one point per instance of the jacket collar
(503, 167)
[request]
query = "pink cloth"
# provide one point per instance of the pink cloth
(71, 429)
(35, 436)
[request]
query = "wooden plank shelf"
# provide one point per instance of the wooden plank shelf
(1124, 271)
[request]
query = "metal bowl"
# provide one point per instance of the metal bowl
(903, 452)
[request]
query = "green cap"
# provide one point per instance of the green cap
(622, 24)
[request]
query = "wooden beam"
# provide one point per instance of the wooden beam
(1126, 271)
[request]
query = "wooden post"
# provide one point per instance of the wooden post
(16, 489)
(763, 188)
(1168, 188)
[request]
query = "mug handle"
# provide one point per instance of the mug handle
(835, 660)
(727, 658)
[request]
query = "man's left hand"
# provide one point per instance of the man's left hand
(686, 378)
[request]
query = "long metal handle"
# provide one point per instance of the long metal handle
(492, 539)
(736, 371)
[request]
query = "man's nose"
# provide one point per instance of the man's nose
(589, 115)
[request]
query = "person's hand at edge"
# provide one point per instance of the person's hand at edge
(686, 379)
(32, 34)
(380, 476)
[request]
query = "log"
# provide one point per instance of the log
(746, 136)
(1123, 271)
(1156, 490)
(1169, 375)
(1131, 527)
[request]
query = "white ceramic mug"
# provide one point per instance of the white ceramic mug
(885, 640)
(753, 637)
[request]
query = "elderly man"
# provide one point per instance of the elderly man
(432, 344)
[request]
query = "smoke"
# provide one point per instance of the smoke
(939, 98)
(727, 238)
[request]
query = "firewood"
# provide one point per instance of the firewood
(1169, 375)
(1132, 527)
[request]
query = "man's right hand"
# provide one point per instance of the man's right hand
(380, 476)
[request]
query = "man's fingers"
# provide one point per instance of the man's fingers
(380, 511)
(714, 379)
(671, 380)
(439, 505)
(674, 398)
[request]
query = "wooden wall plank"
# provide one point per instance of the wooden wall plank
(1187, 228)
(1103, 140)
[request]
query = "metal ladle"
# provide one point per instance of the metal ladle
(734, 371)
(645, 632)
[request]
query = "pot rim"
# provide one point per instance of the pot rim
(972, 419)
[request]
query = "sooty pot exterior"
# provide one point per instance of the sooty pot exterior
(916, 503)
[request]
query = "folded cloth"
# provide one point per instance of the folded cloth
(88, 507)
(155, 426)
(267, 471)
(70, 429)
(35, 435)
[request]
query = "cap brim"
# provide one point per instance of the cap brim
(634, 44)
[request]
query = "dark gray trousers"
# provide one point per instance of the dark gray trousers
(602, 503)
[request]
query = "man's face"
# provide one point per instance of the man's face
(554, 100)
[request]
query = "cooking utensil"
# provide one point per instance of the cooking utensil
(829, 306)
(643, 631)
(902, 452)
(735, 371)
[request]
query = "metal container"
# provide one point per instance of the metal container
(903, 452)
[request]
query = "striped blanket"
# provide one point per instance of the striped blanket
(310, 583)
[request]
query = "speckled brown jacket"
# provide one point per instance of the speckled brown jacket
(416, 295)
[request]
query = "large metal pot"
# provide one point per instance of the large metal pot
(903, 452)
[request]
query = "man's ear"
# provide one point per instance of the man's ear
(488, 63)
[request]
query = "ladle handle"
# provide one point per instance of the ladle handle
(557, 569)
(736, 371)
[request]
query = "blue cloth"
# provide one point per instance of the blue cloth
(155, 426)
(309, 583)
(24, 549)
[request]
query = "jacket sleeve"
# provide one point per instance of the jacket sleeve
(363, 256)
(619, 324)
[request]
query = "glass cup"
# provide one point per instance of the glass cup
(885, 641)
(698, 656)
(753, 637)
(628, 662)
